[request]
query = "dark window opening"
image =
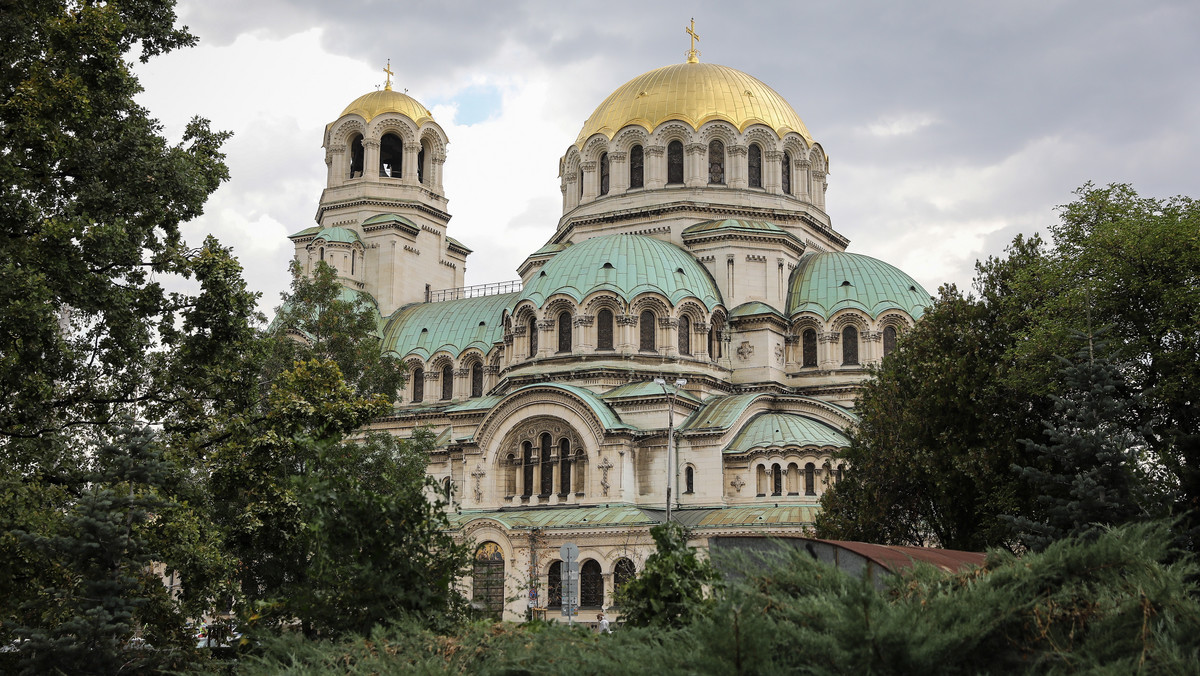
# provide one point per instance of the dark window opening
(754, 166)
(533, 337)
(850, 346)
(810, 479)
(889, 340)
(810, 347)
(623, 574)
(564, 467)
(674, 162)
(356, 156)
(637, 163)
(581, 184)
(689, 481)
(527, 469)
(716, 162)
(547, 467)
(554, 585)
(591, 585)
(776, 480)
(418, 384)
(604, 330)
(787, 173)
(391, 156)
(685, 335)
(421, 155)
(564, 332)
(476, 380)
(647, 342)
(603, 173)
(447, 382)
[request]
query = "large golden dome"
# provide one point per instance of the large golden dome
(694, 93)
(388, 101)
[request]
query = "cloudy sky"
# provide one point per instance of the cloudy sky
(951, 125)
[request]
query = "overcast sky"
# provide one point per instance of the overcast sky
(951, 126)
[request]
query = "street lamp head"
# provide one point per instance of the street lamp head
(680, 382)
(660, 381)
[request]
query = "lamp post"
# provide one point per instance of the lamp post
(679, 382)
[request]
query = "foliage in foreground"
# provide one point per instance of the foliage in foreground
(670, 588)
(1113, 605)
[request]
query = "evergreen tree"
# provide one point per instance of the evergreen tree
(670, 589)
(1085, 475)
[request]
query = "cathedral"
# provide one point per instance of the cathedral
(687, 344)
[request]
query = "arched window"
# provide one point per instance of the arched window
(356, 156)
(554, 585)
(581, 183)
(418, 384)
(476, 380)
(689, 480)
(712, 339)
(603, 173)
(564, 332)
(849, 345)
(841, 469)
(604, 330)
(547, 466)
(674, 162)
(447, 487)
(776, 480)
(487, 580)
(716, 162)
(787, 173)
(447, 382)
(793, 479)
(637, 164)
(889, 340)
(527, 469)
(810, 347)
(810, 479)
(591, 585)
(421, 155)
(646, 327)
(754, 165)
(623, 574)
(391, 155)
(564, 467)
(322, 253)
(533, 336)
(685, 335)
(510, 475)
(760, 481)
(580, 471)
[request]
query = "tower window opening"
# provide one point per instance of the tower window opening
(850, 346)
(418, 384)
(421, 155)
(810, 479)
(637, 164)
(809, 340)
(646, 328)
(447, 382)
(564, 332)
(527, 469)
(776, 480)
(533, 338)
(685, 335)
(716, 162)
(674, 162)
(391, 156)
(581, 184)
(476, 380)
(754, 166)
(889, 340)
(356, 156)
(787, 173)
(603, 173)
(547, 467)
(604, 330)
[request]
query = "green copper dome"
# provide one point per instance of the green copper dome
(453, 326)
(825, 283)
(627, 265)
(343, 235)
(775, 430)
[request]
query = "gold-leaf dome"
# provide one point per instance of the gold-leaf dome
(388, 101)
(694, 93)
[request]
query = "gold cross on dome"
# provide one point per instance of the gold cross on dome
(388, 69)
(693, 55)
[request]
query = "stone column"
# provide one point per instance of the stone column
(591, 181)
(371, 160)
(695, 171)
(409, 170)
(584, 335)
(618, 173)
(828, 355)
(435, 168)
(820, 185)
(772, 171)
(547, 341)
(339, 167)
(626, 326)
(800, 179)
(668, 329)
(654, 169)
(738, 173)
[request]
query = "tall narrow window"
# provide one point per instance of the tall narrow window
(754, 165)
(418, 382)
(850, 345)
(716, 162)
(776, 480)
(322, 253)
(787, 173)
(810, 347)
(591, 585)
(547, 466)
(477, 379)
(685, 335)
(603, 173)
(510, 475)
(712, 339)
(581, 184)
(604, 330)
(646, 326)
(810, 479)
(421, 155)
(533, 331)
(889, 340)
(580, 471)
(623, 574)
(564, 332)
(356, 156)
(674, 162)
(527, 469)
(637, 164)
(689, 480)
(554, 585)
(447, 382)
(841, 469)
(353, 260)
(391, 156)
(564, 467)
(447, 488)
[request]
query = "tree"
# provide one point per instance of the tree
(1086, 475)
(670, 589)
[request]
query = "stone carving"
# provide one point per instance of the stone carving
(745, 350)
(778, 353)
(479, 473)
(737, 483)
(604, 467)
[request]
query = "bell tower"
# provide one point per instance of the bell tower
(384, 155)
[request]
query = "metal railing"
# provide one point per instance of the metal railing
(474, 291)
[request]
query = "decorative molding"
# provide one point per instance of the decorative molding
(584, 320)
(745, 350)
(604, 466)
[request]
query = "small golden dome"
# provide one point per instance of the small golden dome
(389, 101)
(694, 93)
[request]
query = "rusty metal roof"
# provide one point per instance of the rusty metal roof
(895, 557)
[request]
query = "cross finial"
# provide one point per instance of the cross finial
(387, 86)
(693, 55)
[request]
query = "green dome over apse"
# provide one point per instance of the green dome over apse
(767, 430)
(627, 265)
(825, 283)
(343, 235)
